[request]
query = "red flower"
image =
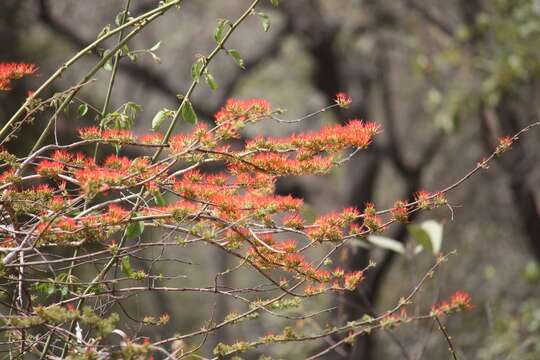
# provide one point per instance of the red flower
(399, 211)
(422, 199)
(61, 156)
(343, 100)
(505, 143)
(461, 300)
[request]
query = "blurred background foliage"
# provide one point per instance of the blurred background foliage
(445, 78)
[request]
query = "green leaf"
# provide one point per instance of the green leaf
(274, 2)
(108, 66)
(219, 33)
(428, 235)
(135, 229)
(265, 21)
(128, 53)
(211, 81)
(83, 109)
(387, 243)
(188, 114)
(420, 236)
(159, 118)
(196, 68)
(119, 19)
(235, 54)
(126, 266)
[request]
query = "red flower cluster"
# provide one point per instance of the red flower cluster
(14, 71)
(330, 139)
(459, 301)
(426, 200)
(283, 255)
(331, 227)
(120, 136)
(236, 113)
(243, 110)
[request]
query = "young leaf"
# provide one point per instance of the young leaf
(387, 243)
(83, 109)
(211, 81)
(420, 236)
(275, 2)
(235, 54)
(159, 118)
(108, 64)
(126, 266)
(155, 57)
(119, 19)
(128, 53)
(196, 68)
(159, 199)
(134, 230)
(155, 47)
(220, 30)
(265, 21)
(188, 114)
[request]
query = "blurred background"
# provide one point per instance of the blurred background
(445, 79)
